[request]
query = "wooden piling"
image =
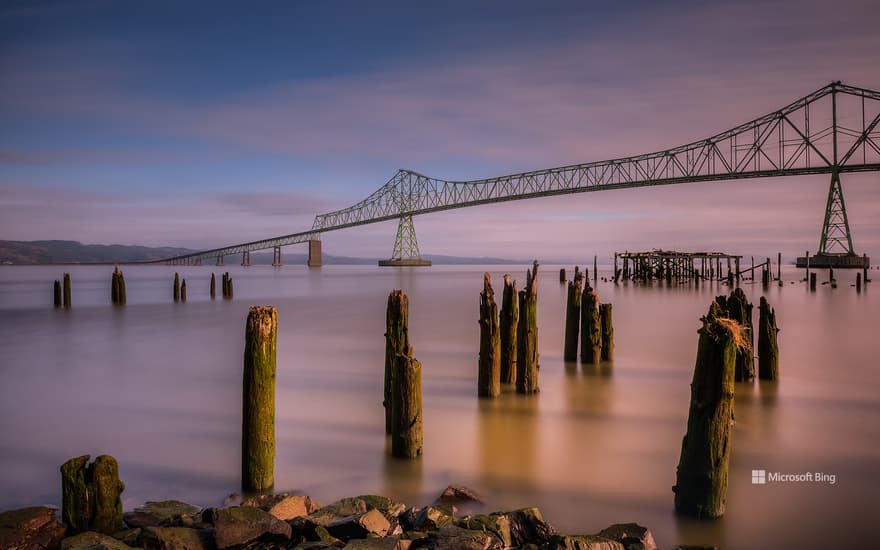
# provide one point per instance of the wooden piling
(738, 308)
(768, 349)
(591, 333)
(213, 286)
(489, 373)
(508, 325)
(616, 272)
(813, 281)
(90, 495)
(595, 270)
(527, 335)
(562, 275)
(175, 288)
(114, 286)
(407, 432)
(858, 282)
(701, 477)
(258, 400)
(779, 268)
(573, 316)
(123, 294)
(396, 343)
(807, 265)
(183, 291)
(67, 288)
(56, 292)
(865, 268)
(607, 328)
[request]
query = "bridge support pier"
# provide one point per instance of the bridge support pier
(406, 246)
(246, 258)
(276, 256)
(315, 258)
(220, 260)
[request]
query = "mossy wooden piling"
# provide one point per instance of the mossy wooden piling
(607, 328)
(90, 495)
(573, 316)
(527, 335)
(66, 299)
(489, 373)
(813, 281)
(56, 293)
(117, 287)
(858, 282)
(701, 477)
(183, 291)
(258, 400)
(396, 343)
(213, 286)
(508, 325)
(738, 308)
(175, 288)
(562, 275)
(768, 349)
(406, 431)
(591, 334)
(230, 291)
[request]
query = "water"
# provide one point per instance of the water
(158, 385)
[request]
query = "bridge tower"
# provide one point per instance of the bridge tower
(406, 245)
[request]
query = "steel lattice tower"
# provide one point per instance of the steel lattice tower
(836, 238)
(406, 246)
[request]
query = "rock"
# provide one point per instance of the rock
(389, 543)
(359, 526)
(283, 506)
(697, 546)
(432, 518)
(497, 525)
(456, 494)
(244, 524)
(452, 537)
(528, 525)
(631, 535)
(339, 509)
(166, 512)
(131, 537)
(34, 528)
(316, 546)
(178, 538)
(91, 540)
(383, 504)
(585, 542)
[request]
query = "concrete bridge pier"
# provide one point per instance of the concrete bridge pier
(220, 260)
(246, 258)
(276, 256)
(315, 258)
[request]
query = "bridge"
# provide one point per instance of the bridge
(833, 130)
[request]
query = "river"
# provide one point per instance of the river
(158, 385)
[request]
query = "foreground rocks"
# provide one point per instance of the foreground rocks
(365, 522)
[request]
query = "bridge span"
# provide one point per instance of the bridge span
(833, 130)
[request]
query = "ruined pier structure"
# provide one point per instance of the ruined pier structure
(671, 266)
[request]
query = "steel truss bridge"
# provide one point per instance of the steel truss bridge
(834, 130)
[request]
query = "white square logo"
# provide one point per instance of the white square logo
(759, 477)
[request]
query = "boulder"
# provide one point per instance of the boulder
(131, 537)
(383, 504)
(497, 525)
(339, 509)
(528, 525)
(452, 537)
(244, 524)
(631, 535)
(389, 543)
(166, 512)
(584, 542)
(34, 528)
(432, 518)
(697, 546)
(359, 526)
(457, 494)
(283, 507)
(90, 540)
(178, 538)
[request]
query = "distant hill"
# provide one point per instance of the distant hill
(73, 252)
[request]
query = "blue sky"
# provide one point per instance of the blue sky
(205, 124)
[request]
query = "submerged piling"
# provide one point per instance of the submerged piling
(56, 293)
(701, 477)
(607, 328)
(591, 333)
(768, 349)
(175, 288)
(90, 495)
(406, 431)
(489, 373)
(258, 400)
(573, 316)
(66, 298)
(396, 343)
(213, 286)
(527, 335)
(508, 326)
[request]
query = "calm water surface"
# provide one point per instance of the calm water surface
(158, 385)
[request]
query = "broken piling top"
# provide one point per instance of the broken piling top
(768, 348)
(396, 343)
(258, 401)
(573, 316)
(527, 335)
(701, 477)
(90, 495)
(489, 371)
(508, 326)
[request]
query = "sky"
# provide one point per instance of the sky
(204, 124)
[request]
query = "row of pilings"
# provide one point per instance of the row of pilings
(588, 320)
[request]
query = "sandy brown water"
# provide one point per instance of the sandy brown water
(158, 385)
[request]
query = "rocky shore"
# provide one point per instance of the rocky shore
(366, 522)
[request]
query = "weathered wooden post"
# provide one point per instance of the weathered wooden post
(573, 316)
(90, 495)
(406, 430)
(768, 350)
(616, 273)
(258, 401)
(229, 289)
(396, 343)
(562, 275)
(114, 286)
(779, 268)
(123, 295)
(213, 286)
(175, 288)
(813, 281)
(865, 268)
(183, 291)
(607, 328)
(508, 323)
(489, 373)
(858, 282)
(701, 477)
(591, 334)
(595, 270)
(527, 335)
(67, 297)
(56, 290)
(738, 308)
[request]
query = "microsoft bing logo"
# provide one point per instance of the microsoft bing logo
(759, 477)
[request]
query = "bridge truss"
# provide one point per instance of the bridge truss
(833, 130)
